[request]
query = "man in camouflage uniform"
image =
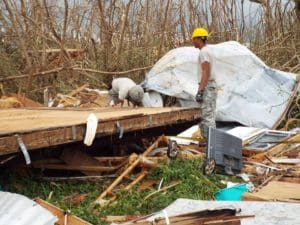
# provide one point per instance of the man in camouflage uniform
(207, 92)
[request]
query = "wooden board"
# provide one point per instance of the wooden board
(40, 128)
(26, 120)
(76, 157)
(277, 148)
(60, 214)
(276, 191)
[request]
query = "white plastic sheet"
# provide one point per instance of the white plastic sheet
(17, 209)
(249, 92)
(152, 99)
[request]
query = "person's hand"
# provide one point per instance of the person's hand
(199, 97)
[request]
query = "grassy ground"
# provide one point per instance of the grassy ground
(194, 185)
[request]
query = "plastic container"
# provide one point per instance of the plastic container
(233, 193)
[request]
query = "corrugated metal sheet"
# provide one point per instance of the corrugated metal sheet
(17, 209)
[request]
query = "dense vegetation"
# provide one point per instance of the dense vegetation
(193, 184)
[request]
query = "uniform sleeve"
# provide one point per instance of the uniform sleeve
(204, 56)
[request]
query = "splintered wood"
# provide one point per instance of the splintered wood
(217, 217)
(276, 172)
(64, 217)
(132, 164)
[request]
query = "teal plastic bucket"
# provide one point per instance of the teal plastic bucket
(233, 193)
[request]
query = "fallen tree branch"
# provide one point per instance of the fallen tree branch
(112, 73)
(32, 75)
(71, 68)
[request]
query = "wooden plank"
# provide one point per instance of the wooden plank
(76, 168)
(276, 191)
(56, 136)
(23, 120)
(60, 214)
(286, 160)
(76, 91)
(76, 157)
(119, 159)
(276, 149)
(290, 179)
(111, 159)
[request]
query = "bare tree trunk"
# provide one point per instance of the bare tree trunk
(268, 18)
(297, 2)
(147, 24)
(163, 29)
(123, 26)
(105, 34)
(242, 27)
(297, 8)
(136, 34)
(182, 23)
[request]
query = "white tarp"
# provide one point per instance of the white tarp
(249, 92)
(152, 99)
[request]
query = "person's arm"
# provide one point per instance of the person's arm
(123, 92)
(205, 69)
(205, 66)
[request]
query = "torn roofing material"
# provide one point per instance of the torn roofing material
(249, 92)
(18, 209)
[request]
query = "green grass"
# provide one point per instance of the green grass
(194, 185)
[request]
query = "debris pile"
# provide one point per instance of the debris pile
(276, 172)
(12, 100)
(218, 217)
(270, 171)
(83, 97)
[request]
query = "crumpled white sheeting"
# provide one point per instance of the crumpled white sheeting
(249, 92)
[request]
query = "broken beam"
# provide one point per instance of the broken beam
(62, 216)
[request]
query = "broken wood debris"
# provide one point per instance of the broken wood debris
(267, 169)
(130, 167)
(83, 97)
(162, 189)
(275, 172)
(217, 216)
(64, 217)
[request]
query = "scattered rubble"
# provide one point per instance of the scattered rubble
(216, 216)
(268, 161)
(273, 172)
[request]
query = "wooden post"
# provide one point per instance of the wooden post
(118, 180)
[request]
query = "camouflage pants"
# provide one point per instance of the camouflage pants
(208, 109)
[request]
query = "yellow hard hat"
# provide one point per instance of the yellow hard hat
(199, 32)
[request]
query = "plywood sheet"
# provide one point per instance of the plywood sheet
(40, 128)
(22, 120)
(276, 191)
